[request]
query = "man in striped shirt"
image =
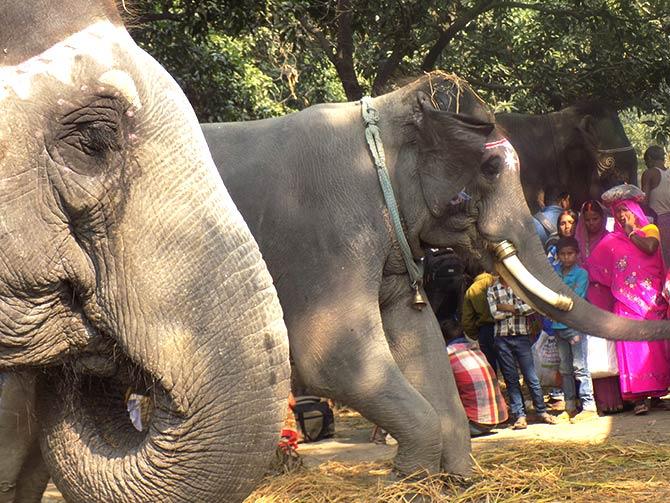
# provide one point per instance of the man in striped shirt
(512, 342)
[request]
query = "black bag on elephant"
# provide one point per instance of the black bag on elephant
(315, 418)
(444, 283)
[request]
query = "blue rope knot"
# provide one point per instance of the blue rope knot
(370, 113)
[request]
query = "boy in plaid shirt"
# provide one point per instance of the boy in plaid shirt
(512, 342)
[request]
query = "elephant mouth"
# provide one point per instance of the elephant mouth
(58, 309)
(121, 408)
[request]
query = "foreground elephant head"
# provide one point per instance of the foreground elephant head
(126, 267)
(582, 148)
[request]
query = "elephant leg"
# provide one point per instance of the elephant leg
(418, 347)
(345, 356)
(23, 474)
(34, 476)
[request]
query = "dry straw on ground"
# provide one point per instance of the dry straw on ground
(538, 472)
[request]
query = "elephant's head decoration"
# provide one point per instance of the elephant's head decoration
(125, 266)
(607, 146)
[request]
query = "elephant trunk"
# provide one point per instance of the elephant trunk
(193, 310)
(504, 216)
(582, 316)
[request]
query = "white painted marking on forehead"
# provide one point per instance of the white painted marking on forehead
(510, 157)
(124, 84)
(59, 60)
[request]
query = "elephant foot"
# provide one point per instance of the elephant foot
(458, 482)
(422, 487)
(7, 490)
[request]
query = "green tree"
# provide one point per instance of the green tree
(239, 60)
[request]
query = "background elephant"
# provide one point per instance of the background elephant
(126, 267)
(307, 186)
(582, 148)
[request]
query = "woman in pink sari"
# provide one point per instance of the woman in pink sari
(628, 263)
(591, 228)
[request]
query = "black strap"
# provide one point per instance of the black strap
(548, 226)
(301, 421)
(318, 407)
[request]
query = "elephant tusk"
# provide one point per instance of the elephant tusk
(506, 253)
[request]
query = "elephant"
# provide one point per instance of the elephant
(308, 187)
(582, 148)
(126, 268)
(22, 460)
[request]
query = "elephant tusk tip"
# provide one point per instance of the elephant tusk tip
(564, 303)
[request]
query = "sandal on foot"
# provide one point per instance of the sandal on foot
(547, 418)
(641, 408)
(520, 423)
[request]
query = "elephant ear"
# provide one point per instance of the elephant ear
(450, 148)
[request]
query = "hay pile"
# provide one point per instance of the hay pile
(528, 472)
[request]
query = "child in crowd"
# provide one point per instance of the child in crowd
(572, 345)
(512, 342)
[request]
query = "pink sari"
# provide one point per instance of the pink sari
(597, 294)
(629, 281)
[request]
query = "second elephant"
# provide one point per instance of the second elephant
(308, 188)
(582, 148)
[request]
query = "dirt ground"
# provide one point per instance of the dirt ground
(351, 442)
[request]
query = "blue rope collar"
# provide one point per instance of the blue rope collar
(374, 140)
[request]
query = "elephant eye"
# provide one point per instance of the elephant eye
(88, 135)
(492, 167)
(97, 138)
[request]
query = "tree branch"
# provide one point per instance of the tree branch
(456, 26)
(386, 70)
(345, 35)
(345, 51)
(400, 49)
(484, 6)
(320, 37)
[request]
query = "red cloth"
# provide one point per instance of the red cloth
(289, 439)
(477, 384)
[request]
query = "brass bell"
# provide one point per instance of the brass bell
(419, 301)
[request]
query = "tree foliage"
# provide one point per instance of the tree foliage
(241, 60)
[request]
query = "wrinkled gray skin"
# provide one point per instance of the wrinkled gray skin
(582, 148)
(306, 185)
(21, 459)
(124, 265)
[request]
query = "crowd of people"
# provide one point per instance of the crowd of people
(620, 267)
